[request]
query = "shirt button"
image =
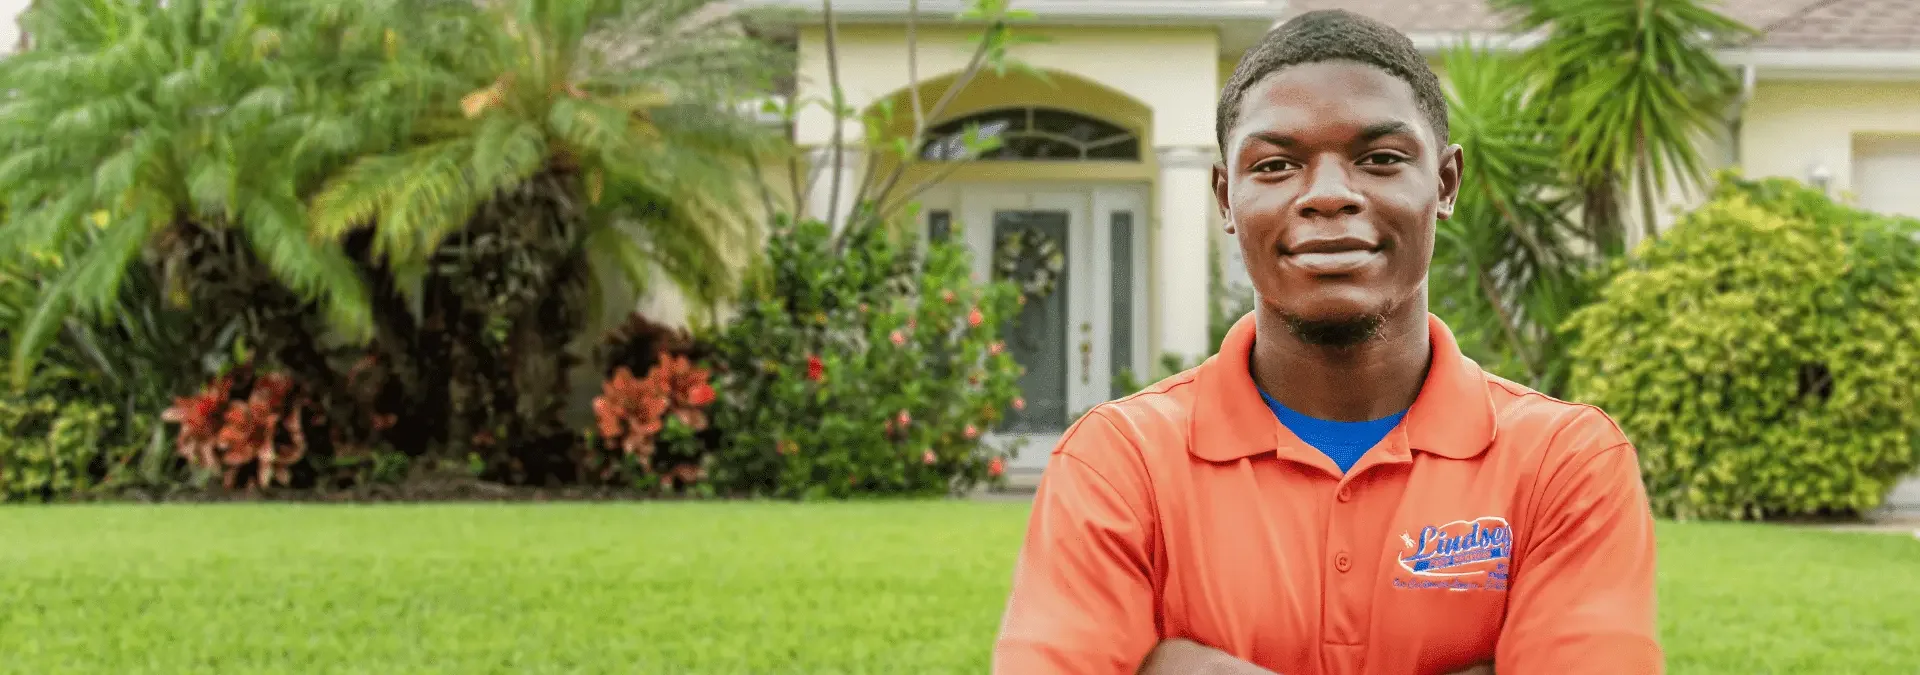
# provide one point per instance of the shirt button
(1345, 494)
(1342, 562)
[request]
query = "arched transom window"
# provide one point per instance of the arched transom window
(1034, 134)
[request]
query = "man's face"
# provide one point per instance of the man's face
(1332, 182)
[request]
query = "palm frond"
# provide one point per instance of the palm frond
(629, 97)
(38, 328)
(278, 233)
(196, 114)
(1504, 261)
(99, 270)
(1636, 84)
(611, 246)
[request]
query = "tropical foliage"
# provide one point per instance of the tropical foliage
(1509, 264)
(55, 449)
(165, 139)
(327, 241)
(1635, 88)
(571, 150)
(622, 103)
(130, 361)
(871, 371)
(1618, 100)
(411, 209)
(1761, 356)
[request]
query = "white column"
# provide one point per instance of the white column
(1180, 274)
(821, 170)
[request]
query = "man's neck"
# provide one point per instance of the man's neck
(1368, 381)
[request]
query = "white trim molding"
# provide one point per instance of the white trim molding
(1826, 59)
(1432, 43)
(1186, 156)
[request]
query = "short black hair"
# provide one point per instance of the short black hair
(1334, 35)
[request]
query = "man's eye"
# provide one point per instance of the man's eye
(1382, 159)
(1272, 165)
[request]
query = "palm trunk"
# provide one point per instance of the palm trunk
(1649, 225)
(25, 41)
(507, 383)
(1600, 212)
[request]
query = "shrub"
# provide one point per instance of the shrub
(650, 425)
(52, 449)
(256, 439)
(854, 366)
(1762, 356)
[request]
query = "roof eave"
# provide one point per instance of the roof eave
(1144, 12)
(1804, 63)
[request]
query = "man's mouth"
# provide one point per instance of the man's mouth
(1331, 256)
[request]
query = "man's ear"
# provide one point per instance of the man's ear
(1453, 165)
(1220, 195)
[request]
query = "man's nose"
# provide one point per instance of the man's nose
(1329, 192)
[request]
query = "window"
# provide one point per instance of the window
(939, 225)
(1033, 134)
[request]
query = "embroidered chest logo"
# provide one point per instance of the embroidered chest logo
(1463, 555)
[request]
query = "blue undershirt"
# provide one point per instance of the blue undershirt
(1343, 442)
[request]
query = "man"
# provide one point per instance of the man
(1339, 490)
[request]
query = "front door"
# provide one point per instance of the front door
(1091, 321)
(1034, 245)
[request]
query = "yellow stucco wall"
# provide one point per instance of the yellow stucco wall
(1166, 70)
(1790, 126)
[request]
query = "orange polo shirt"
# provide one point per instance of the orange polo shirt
(1493, 524)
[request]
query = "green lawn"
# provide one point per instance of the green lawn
(735, 588)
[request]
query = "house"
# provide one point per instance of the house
(1109, 153)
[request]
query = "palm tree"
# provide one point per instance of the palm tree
(183, 134)
(562, 142)
(620, 102)
(1508, 266)
(1636, 85)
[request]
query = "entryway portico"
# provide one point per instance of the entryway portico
(1105, 153)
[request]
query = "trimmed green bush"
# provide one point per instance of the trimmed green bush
(52, 450)
(859, 367)
(1763, 356)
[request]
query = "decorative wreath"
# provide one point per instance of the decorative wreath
(1037, 248)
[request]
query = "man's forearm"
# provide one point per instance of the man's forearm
(1186, 657)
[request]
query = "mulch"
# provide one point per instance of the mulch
(422, 491)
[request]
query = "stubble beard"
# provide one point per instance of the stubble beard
(1341, 333)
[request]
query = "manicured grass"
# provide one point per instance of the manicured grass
(906, 587)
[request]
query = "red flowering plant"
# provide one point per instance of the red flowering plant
(649, 425)
(862, 367)
(256, 440)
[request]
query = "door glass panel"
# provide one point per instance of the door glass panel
(1120, 350)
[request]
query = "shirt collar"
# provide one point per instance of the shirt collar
(1451, 417)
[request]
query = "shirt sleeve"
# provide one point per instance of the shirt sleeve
(1582, 601)
(1082, 600)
